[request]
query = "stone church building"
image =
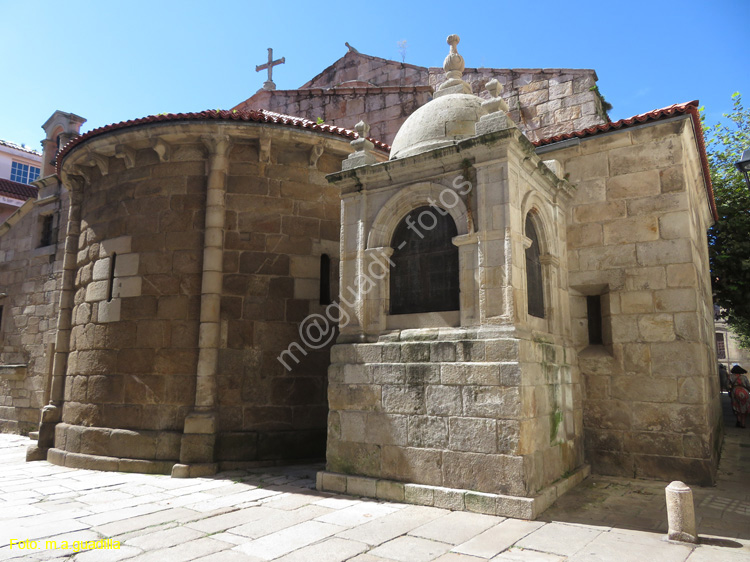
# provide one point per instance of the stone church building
(485, 292)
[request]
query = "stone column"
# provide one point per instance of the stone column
(199, 436)
(52, 412)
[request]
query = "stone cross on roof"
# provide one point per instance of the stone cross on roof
(268, 84)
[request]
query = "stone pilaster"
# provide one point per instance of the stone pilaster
(376, 283)
(199, 437)
(52, 413)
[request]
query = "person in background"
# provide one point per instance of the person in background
(740, 393)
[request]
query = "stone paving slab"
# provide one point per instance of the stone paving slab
(498, 538)
(275, 514)
(456, 527)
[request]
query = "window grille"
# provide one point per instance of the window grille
(424, 268)
(721, 347)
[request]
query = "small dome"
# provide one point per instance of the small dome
(440, 122)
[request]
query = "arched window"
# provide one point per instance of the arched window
(424, 268)
(534, 281)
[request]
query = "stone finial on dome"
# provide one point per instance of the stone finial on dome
(363, 149)
(496, 118)
(363, 129)
(495, 103)
(454, 69)
(494, 88)
(453, 63)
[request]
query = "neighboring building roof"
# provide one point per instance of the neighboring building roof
(687, 108)
(15, 190)
(19, 147)
(252, 115)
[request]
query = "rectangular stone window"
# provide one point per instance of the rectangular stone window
(594, 315)
(721, 347)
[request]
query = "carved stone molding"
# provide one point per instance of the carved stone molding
(217, 145)
(264, 152)
(126, 153)
(78, 176)
(162, 148)
(100, 161)
(315, 153)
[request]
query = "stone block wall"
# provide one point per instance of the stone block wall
(551, 420)
(282, 217)
(137, 304)
(430, 411)
(636, 237)
(448, 410)
(172, 320)
(30, 275)
(383, 108)
(543, 102)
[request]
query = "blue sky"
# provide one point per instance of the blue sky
(119, 60)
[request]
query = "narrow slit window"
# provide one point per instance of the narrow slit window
(47, 235)
(111, 287)
(325, 279)
(594, 313)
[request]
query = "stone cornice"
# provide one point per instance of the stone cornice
(479, 150)
(163, 137)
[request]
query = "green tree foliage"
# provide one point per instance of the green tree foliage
(729, 238)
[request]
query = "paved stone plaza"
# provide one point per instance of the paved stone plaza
(275, 514)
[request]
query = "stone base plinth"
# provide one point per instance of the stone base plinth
(195, 470)
(111, 464)
(451, 498)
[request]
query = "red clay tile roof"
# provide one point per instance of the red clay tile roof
(251, 115)
(16, 190)
(690, 108)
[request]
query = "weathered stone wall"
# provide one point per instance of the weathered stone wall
(282, 216)
(551, 419)
(428, 411)
(137, 302)
(137, 342)
(543, 102)
(461, 412)
(384, 109)
(31, 277)
(636, 237)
